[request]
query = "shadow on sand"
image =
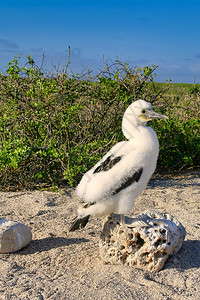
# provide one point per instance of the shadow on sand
(49, 243)
(187, 258)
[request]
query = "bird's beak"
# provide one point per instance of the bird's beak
(151, 115)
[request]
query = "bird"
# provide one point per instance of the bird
(112, 184)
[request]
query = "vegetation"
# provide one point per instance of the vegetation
(53, 127)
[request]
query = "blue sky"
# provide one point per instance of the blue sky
(165, 33)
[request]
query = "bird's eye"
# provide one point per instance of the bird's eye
(143, 111)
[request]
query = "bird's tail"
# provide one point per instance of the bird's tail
(79, 223)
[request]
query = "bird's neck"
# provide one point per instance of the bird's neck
(145, 137)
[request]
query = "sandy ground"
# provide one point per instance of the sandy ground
(62, 265)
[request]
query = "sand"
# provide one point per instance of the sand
(61, 265)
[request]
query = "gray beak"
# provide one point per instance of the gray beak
(151, 115)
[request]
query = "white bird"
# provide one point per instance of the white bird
(114, 183)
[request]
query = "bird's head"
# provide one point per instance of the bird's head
(137, 114)
(146, 112)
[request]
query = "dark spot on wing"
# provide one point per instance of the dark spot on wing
(107, 164)
(134, 178)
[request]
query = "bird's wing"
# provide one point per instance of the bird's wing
(118, 169)
(135, 177)
(108, 163)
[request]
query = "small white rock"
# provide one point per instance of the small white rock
(13, 236)
(145, 242)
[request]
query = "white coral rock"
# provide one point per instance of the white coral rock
(13, 236)
(144, 242)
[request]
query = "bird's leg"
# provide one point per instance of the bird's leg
(122, 219)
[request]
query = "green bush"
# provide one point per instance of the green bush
(54, 127)
(179, 137)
